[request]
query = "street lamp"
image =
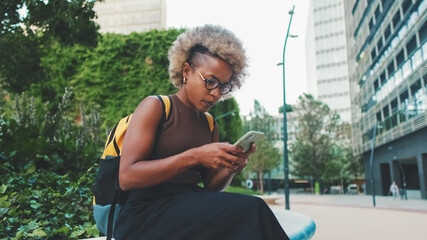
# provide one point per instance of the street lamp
(232, 112)
(285, 130)
(371, 161)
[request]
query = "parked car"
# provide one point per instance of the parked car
(335, 190)
(352, 189)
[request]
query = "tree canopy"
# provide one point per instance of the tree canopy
(29, 27)
(267, 157)
(227, 114)
(322, 146)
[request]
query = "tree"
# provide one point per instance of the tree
(260, 120)
(229, 121)
(322, 148)
(24, 35)
(311, 153)
(267, 157)
(344, 166)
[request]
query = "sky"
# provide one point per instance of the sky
(262, 27)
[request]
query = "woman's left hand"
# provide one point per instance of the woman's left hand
(245, 155)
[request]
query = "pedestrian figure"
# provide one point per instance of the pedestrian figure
(394, 189)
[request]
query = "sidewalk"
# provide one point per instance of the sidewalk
(354, 217)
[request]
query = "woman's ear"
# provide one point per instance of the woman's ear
(186, 70)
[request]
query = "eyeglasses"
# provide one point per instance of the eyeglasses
(213, 83)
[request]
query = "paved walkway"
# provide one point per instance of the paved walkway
(354, 217)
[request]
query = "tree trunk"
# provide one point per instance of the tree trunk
(261, 184)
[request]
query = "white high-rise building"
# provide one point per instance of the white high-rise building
(127, 16)
(326, 54)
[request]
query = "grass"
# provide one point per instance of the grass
(241, 190)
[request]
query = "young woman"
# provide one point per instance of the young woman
(162, 169)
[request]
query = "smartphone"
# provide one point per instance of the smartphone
(249, 138)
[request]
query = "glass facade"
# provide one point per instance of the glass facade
(391, 86)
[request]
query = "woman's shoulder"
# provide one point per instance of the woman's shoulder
(150, 106)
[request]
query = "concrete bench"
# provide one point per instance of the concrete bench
(297, 225)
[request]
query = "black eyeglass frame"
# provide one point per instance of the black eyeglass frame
(217, 83)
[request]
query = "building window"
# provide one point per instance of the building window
(404, 102)
(377, 12)
(396, 19)
(406, 69)
(387, 120)
(425, 51)
(373, 54)
(380, 44)
(419, 99)
(390, 67)
(387, 32)
(398, 77)
(376, 86)
(416, 59)
(400, 58)
(411, 45)
(394, 112)
(423, 32)
(406, 5)
(390, 84)
(403, 31)
(379, 119)
(371, 24)
(382, 78)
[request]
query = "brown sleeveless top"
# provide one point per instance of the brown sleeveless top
(185, 129)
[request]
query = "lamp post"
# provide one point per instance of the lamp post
(285, 130)
(371, 162)
(232, 112)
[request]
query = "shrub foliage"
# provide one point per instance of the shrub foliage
(47, 166)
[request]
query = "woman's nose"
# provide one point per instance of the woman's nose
(215, 92)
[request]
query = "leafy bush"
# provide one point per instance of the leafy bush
(47, 165)
(48, 138)
(114, 76)
(40, 204)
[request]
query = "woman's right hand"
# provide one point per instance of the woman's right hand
(219, 155)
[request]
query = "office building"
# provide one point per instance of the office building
(387, 56)
(326, 54)
(127, 16)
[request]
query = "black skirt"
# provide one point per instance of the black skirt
(183, 212)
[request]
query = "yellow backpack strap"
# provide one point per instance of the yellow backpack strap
(116, 137)
(167, 106)
(210, 121)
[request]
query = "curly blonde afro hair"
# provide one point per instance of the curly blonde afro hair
(212, 40)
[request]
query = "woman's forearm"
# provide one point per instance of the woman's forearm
(219, 180)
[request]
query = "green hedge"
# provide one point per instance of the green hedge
(47, 165)
(114, 76)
